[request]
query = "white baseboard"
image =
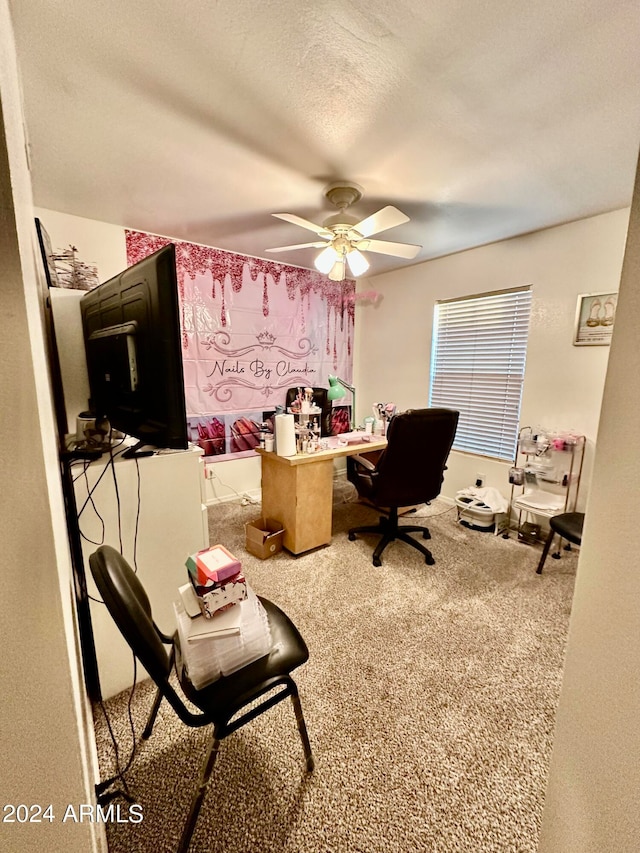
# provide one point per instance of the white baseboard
(446, 499)
(250, 495)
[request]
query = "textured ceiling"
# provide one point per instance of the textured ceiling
(198, 119)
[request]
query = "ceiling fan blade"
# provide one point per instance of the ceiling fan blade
(336, 273)
(387, 217)
(304, 223)
(383, 247)
(297, 246)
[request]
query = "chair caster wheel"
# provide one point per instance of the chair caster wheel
(426, 535)
(352, 537)
(429, 561)
(377, 561)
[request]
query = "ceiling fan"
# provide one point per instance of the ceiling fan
(344, 238)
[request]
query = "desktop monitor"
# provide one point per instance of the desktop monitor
(131, 327)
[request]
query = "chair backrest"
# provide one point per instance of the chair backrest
(320, 398)
(128, 604)
(411, 468)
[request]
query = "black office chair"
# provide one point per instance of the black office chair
(319, 399)
(218, 703)
(409, 471)
(568, 525)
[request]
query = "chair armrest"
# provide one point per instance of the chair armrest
(366, 463)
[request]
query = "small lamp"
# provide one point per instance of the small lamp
(337, 391)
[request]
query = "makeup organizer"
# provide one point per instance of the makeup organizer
(544, 478)
(307, 421)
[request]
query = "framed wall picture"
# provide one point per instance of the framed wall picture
(595, 316)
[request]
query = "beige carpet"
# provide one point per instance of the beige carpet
(429, 695)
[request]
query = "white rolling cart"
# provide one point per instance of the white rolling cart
(545, 478)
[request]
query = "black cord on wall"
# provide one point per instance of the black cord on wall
(103, 793)
(104, 790)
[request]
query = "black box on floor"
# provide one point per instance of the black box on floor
(529, 533)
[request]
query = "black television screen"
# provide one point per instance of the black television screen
(131, 327)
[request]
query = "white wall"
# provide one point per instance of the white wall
(46, 755)
(563, 384)
(65, 305)
(98, 243)
(593, 797)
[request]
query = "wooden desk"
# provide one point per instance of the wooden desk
(298, 492)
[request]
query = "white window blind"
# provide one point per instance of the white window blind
(478, 356)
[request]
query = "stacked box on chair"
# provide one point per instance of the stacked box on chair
(217, 579)
(208, 658)
(213, 564)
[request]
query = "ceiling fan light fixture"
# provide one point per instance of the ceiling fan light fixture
(325, 261)
(358, 264)
(336, 273)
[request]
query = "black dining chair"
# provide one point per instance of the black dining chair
(409, 471)
(567, 525)
(248, 692)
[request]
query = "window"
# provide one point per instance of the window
(478, 356)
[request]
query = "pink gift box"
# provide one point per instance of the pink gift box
(212, 565)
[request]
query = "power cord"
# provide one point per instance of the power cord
(89, 500)
(245, 499)
(117, 493)
(137, 524)
(104, 795)
(437, 514)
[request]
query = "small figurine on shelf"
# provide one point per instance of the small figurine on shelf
(306, 403)
(296, 403)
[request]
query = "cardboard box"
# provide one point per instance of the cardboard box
(264, 537)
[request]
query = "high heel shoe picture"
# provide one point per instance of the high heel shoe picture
(594, 314)
(609, 313)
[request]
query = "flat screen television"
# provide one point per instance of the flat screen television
(132, 337)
